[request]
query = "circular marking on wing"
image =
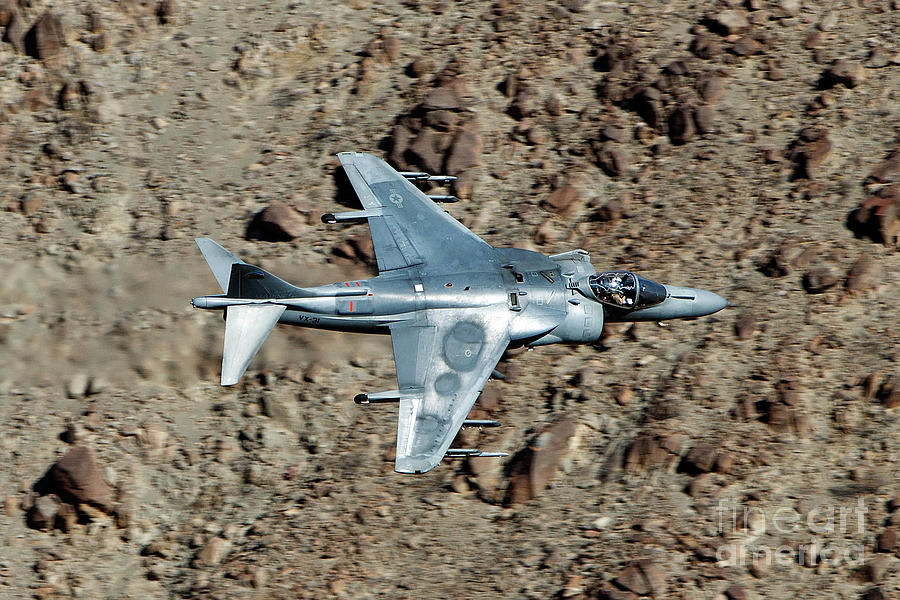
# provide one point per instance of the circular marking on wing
(463, 345)
(446, 384)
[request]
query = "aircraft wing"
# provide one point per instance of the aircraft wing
(443, 361)
(407, 227)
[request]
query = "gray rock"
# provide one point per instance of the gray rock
(213, 553)
(731, 21)
(819, 279)
(43, 513)
(77, 387)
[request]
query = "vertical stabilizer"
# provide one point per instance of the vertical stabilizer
(219, 260)
(246, 328)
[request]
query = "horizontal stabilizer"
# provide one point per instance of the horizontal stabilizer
(219, 260)
(246, 328)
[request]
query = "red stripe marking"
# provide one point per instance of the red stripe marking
(347, 283)
(357, 284)
(351, 306)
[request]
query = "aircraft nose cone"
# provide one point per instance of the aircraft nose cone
(706, 303)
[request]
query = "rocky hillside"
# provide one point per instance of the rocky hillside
(750, 148)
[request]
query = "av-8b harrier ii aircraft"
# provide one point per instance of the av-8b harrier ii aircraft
(451, 303)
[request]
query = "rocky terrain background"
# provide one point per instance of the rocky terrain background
(750, 148)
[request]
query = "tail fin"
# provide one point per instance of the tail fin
(219, 260)
(246, 325)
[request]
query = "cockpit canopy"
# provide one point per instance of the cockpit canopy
(624, 289)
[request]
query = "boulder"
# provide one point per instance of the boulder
(532, 469)
(276, 223)
(78, 478)
(45, 39)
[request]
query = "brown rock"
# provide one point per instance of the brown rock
(465, 152)
(11, 18)
(642, 577)
(30, 204)
(887, 541)
(427, 150)
(814, 39)
(532, 469)
(390, 47)
(464, 186)
(612, 158)
(682, 128)
(878, 217)
(782, 418)
(888, 170)
(359, 248)
(442, 98)
(819, 279)
(735, 592)
(277, 223)
(863, 275)
(524, 104)
(724, 463)
(889, 393)
(704, 117)
(78, 477)
(564, 200)
(647, 102)
(712, 88)
(614, 132)
(874, 569)
(510, 85)
(554, 105)
(632, 579)
(745, 326)
(66, 518)
(705, 46)
(12, 505)
(45, 39)
(647, 451)
(401, 137)
(489, 399)
(700, 459)
(894, 503)
(442, 119)
(612, 211)
(874, 593)
(809, 152)
(213, 552)
(844, 72)
(747, 45)
(420, 67)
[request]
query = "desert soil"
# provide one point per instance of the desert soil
(749, 148)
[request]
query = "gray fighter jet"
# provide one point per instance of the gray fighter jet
(451, 303)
